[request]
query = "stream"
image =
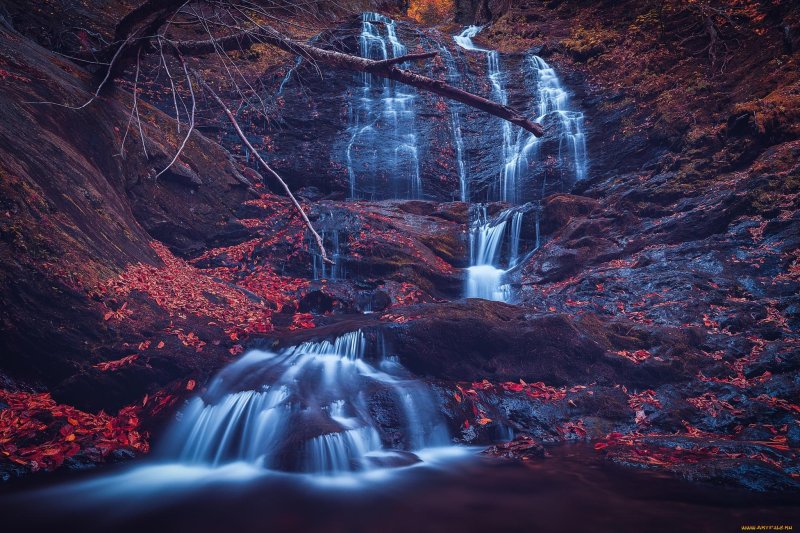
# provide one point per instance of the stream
(567, 492)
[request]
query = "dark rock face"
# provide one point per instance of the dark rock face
(74, 212)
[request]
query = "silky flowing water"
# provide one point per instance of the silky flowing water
(382, 154)
(567, 492)
(523, 175)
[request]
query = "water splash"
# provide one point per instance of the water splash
(382, 154)
(310, 408)
(484, 277)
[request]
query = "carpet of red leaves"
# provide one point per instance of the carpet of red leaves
(40, 434)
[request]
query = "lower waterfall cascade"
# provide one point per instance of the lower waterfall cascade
(319, 407)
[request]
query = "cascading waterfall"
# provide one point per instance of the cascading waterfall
(382, 155)
(309, 409)
(454, 78)
(507, 186)
(484, 277)
(522, 175)
(553, 110)
(516, 232)
(320, 269)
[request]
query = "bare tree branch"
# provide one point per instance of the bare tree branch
(340, 60)
(402, 59)
(269, 169)
(191, 122)
(145, 21)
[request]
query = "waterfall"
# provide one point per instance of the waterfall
(508, 185)
(382, 155)
(319, 407)
(484, 277)
(454, 78)
(320, 269)
(516, 231)
(522, 175)
(554, 108)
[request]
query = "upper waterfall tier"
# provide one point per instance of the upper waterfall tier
(382, 156)
(370, 138)
(532, 167)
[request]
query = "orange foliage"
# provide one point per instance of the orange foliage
(430, 11)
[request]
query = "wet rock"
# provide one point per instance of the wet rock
(522, 448)
(559, 209)
(479, 338)
(392, 459)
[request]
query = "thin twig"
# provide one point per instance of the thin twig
(269, 169)
(191, 122)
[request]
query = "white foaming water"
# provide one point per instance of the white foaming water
(382, 156)
(484, 277)
(311, 408)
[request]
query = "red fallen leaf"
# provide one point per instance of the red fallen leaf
(483, 421)
(466, 424)
(457, 396)
(108, 315)
(113, 366)
(190, 385)
(513, 387)
(160, 345)
(236, 349)
(70, 437)
(483, 385)
(600, 445)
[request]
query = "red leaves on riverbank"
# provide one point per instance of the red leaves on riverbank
(182, 289)
(709, 403)
(537, 390)
(634, 356)
(696, 449)
(40, 434)
(112, 366)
